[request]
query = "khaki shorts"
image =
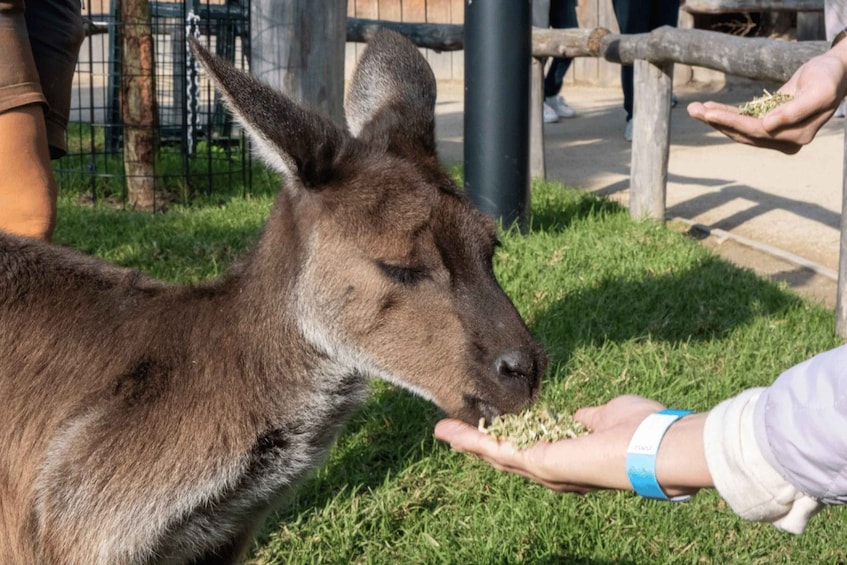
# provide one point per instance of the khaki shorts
(38, 51)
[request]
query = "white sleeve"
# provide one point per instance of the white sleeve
(743, 477)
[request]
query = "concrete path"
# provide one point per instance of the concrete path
(777, 214)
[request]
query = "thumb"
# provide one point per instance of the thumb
(588, 416)
(452, 431)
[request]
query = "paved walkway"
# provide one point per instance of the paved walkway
(777, 214)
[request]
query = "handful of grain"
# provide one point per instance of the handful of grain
(761, 105)
(535, 424)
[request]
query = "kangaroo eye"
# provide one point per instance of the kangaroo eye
(408, 276)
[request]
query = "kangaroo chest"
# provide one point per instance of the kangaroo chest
(278, 459)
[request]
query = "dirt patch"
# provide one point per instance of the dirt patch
(803, 280)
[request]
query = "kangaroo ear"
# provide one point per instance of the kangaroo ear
(391, 99)
(300, 144)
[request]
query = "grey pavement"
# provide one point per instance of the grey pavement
(777, 214)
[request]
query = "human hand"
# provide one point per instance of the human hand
(589, 462)
(817, 87)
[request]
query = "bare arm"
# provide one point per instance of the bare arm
(818, 87)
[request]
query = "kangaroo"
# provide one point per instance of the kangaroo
(144, 422)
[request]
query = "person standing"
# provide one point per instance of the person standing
(38, 52)
(557, 14)
(640, 16)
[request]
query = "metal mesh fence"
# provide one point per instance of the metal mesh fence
(198, 147)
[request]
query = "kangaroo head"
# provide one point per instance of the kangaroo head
(393, 268)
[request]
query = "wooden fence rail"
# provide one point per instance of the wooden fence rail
(653, 56)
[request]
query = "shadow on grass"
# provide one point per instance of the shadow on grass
(173, 247)
(549, 219)
(703, 303)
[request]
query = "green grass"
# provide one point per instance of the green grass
(93, 169)
(622, 307)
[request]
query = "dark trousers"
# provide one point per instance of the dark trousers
(562, 16)
(641, 16)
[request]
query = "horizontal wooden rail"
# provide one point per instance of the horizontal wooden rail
(748, 57)
(438, 37)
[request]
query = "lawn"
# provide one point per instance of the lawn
(621, 306)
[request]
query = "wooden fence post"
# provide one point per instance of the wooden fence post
(537, 165)
(298, 47)
(138, 103)
(650, 140)
(841, 294)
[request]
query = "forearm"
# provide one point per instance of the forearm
(681, 466)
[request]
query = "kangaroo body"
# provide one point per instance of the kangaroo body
(142, 422)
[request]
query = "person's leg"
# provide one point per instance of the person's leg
(562, 16)
(556, 76)
(622, 9)
(55, 34)
(633, 17)
(27, 188)
(40, 47)
(27, 185)
(664, 13)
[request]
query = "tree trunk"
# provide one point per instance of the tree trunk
(138, 103)
(298, 47)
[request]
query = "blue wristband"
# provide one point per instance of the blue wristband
(642, 450)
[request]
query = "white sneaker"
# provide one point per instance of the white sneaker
(627, 132)
(550, 115)
(841, 111)
(558, 105)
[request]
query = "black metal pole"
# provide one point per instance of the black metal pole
(497, 56)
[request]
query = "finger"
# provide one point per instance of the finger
(587, 416)
(701, 110)
(459, 435)
(712, 106)
(463, 437)
(599, 418)
(696, 110)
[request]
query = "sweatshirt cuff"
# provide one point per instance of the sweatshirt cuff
(743, 477)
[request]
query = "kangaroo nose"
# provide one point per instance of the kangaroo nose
(517, 365)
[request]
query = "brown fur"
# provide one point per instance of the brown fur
(148, 423)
